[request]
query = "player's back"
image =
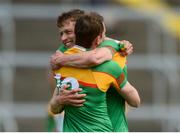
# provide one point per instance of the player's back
(93, 116)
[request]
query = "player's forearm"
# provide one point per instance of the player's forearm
(86, 59)
(131, 95)
(99, 55)
(80, 60)
(133, 99)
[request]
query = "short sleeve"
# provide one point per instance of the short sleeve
(110, 43)
(62, 48)
(121, 80)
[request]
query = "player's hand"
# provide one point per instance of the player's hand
(70, 97)
(128, 48)
(54, 60)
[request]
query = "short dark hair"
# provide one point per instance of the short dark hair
(87, 28)
(72, 15)
(97, 16)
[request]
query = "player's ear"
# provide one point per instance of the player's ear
(95, 42)
(99, 39)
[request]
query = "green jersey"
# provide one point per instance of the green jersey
(115, 102)
(93, 116)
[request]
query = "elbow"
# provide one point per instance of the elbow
(135, 103)
(94, 61)
(131, 95)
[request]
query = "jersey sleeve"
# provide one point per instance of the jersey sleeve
(121, 80)
(119, 75)
(110, 74)
(125, 71)
(110, 43)
(62, 48)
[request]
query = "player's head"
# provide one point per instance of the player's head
(98, 16)
(66, 23)
(88, 30)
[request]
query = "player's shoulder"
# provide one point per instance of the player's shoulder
(109, 67)
(110, 43)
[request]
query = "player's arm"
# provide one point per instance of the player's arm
(89, 58)
(55, 105)
(83, 59)
(127, 91)
(130, 94)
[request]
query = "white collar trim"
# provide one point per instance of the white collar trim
(79, 47)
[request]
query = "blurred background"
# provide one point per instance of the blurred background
(28, 36)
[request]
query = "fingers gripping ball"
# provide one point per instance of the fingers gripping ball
(72, 82)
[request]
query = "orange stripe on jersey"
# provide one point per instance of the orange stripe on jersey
(88, 84)
(121, 78)
(84, 75)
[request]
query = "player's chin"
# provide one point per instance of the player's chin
(69, 44)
